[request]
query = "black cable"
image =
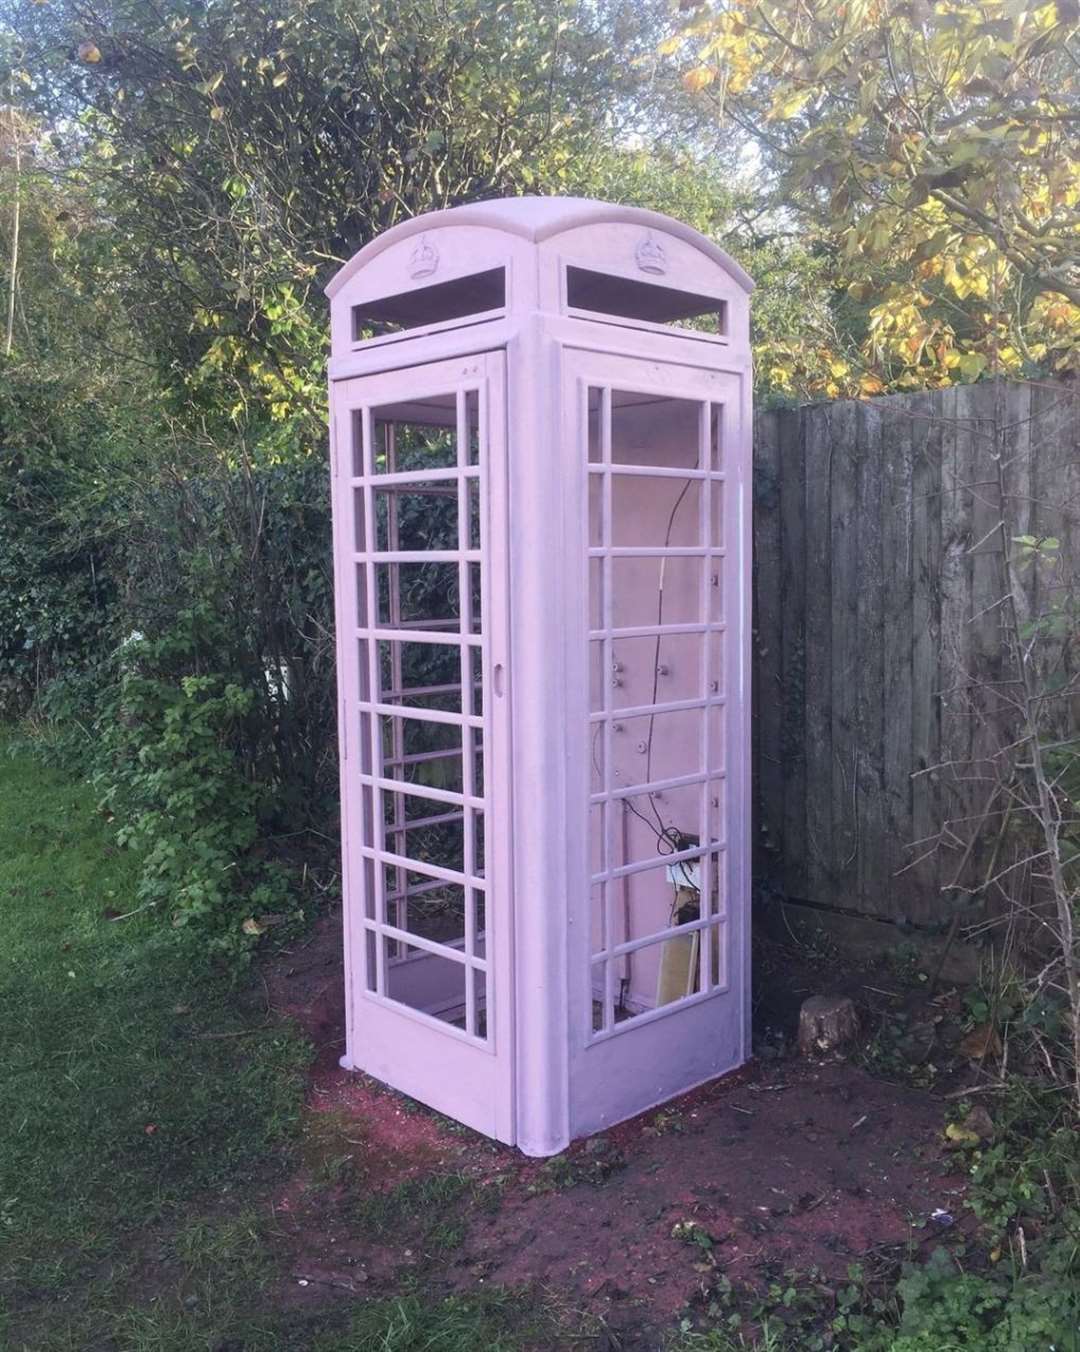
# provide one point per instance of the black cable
(664, 830)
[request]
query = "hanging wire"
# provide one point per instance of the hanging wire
(668, 837)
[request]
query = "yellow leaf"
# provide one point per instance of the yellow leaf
(217, 113)
(959, 1135)
(695, 80)
(280, 78)
(89, 52)
(871, 385)
(787, 107)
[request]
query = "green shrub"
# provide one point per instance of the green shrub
(166, 626)
(56, 549)
(170, 774)
(945, 1309)
(214, 734)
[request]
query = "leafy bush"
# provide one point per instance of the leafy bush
(170, 775)
(948, 1310)
(1020, 1291)
(56, 581)
(168, 629)
(216, 726)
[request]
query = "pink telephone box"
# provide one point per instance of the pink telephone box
(541, 489)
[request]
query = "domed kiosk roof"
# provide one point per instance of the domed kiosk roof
(537, 219)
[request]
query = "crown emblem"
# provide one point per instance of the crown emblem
(651, 256)
(424, 259)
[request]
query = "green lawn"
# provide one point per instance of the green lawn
(120, 1101)
(145, 1106)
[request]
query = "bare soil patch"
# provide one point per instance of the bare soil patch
(786, 1165)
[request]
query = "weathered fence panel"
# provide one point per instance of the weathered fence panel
(878, 586)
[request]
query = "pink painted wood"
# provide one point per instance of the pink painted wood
(541, 492)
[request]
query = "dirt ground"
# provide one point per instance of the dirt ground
(785, 1165)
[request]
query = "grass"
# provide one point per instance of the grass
(147, 1104)
(409, 1324)
(134, 1079)
(719, 1340)
(432, 1207)
(406, 1323)
(490, 1322)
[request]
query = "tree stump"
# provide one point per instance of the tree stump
(827, 1023)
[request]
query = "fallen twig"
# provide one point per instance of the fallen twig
(240, 1032)
(112, 919)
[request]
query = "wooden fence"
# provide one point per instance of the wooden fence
(877, 610)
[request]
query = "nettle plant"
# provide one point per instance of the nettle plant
(173, 774)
